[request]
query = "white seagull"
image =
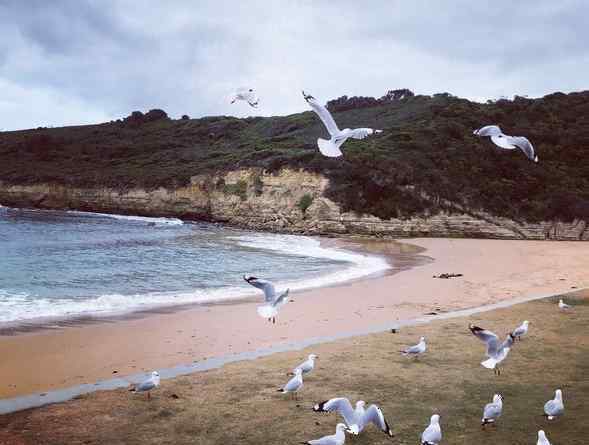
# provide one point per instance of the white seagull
(497, 352)
(417, 349)
(330, 148)
(246, 94)
(507, 142)
(294, 384)
(492, 411)
(563, 306)
(308, 365)
(542, 439)
(339, 438)
(356, 419)
(432, 435)
(555, 407)
(148, 385)
(521, 330)
(273, 300)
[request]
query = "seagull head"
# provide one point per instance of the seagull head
(360, 404)
(541, 434)
(497, 398)
(341, 427)
(421, 339)
(435, 419)
(307, 96)
(558, 394)
(312, 357)
(298, 371)
(526, 322)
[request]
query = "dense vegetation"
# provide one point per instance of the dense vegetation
(425, 159)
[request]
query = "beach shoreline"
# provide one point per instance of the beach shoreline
(493, 270)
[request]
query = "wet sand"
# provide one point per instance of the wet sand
(493, 270)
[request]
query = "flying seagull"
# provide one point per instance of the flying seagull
(294, 384)
(356, 419)
(417, 349)
(148, 385)
(521, 330)
(555, 407)
(492, 411)
(331, 147)
(246, 94)
(432, 435)
(338, 438)
(308, 365)
(273, 300)
(497, 352)
(562, 305)
(542, 439)
(507, 142)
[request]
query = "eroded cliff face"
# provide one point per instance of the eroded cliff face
(289, 201)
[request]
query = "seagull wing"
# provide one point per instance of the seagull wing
(340, 405)
(552, 408)
(292, 385)
(323, 114)
(266, 286)
(147, 385)
(526, 146)
(490, 339)
(503, 141)
(361, 133)
(374, 415)
(491, 411)
(488, 130)
(282, 299)
(431, 434)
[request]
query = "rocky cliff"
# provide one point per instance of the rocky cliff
(286, 201)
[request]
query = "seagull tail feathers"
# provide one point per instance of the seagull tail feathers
(489, 363)
(267, 311)
(328, 148)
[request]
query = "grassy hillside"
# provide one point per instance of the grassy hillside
(426, 156)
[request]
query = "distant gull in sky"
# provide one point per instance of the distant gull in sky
(492, 411)
(246, 94)
(308, 365)
(542, 439)
(496, 351)
(563, 306)
(294, 384)
(331, 148)
(272, 299)
(338, 438)
(148, 385)
(521, 330)
(507, 142)
(432, 435)
(417, 349)
(555, 407)
(356, 419)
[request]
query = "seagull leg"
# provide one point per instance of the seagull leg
(273, 320)
(148, 395)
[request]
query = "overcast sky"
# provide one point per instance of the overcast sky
(69, 62)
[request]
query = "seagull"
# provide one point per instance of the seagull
(356, 419)
(554, 408)
(246, 94)
(330, 148)
(542, 439)
(507, 142)
(308, 365)
(432, 435)
(147, 385)
(563, 306)
(335, 439)
(497, 352)
(521, 330)
(294, 384)
(273, 301)
(492, 410)
(417, 349)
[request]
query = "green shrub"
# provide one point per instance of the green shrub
(305, 202)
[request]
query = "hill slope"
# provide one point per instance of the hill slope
(425, 158)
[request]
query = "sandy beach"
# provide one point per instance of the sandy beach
(493, 270)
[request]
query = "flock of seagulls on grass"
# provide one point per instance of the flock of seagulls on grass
(357, 418)
(331, 147)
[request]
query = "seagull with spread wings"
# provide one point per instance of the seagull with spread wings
(507, 142)
(273, 300)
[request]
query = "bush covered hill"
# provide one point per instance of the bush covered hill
(426, 157)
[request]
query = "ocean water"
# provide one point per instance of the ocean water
(58, 264)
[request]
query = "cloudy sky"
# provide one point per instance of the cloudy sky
(69, 62)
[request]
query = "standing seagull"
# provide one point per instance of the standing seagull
(555, 407)
(432, 435)
(148, 385)
(294, 384)
(273, 301)
(542, 439)
(338, 438)
(563, 306)
(356, 419)
(308, 365)
(246, 94)
(330, 148)
(492, 411)
(521, 330)
(497, 352)
(416, 350)
(507, 142)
